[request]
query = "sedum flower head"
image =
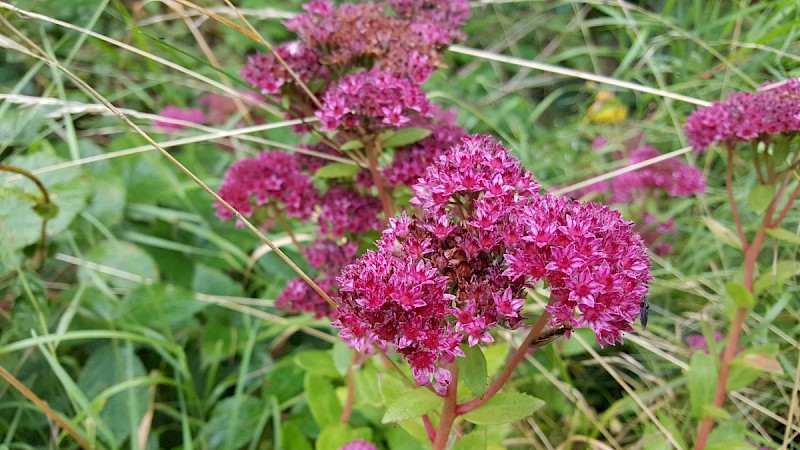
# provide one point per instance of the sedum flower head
(460, 268)
(264, 72)
(673, 177)
(747, 115)
(327, 257)
(373, 100)
(596, 266)
(268, 177)
(358, 444)
(405, 42)
(346, 211)
(194, 115)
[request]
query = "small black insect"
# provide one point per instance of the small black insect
(644, 310)
(550, 335)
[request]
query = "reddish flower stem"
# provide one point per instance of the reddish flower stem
(737, 218)
(351, 391)
(751, 251)
(426, 421)
(448, 415)
(504, 376)
(373, 150)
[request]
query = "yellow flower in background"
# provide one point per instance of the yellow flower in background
(606, 109)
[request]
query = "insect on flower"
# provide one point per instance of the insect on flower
(643, 312)
(550, 335)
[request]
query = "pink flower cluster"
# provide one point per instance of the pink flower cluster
(673, 177)
(269, 177)
(328, 257)
(218, 108)
(747, 115)
(439, 20)
(372, 100)
(194, 115)
(345, 210)
(358, 444)
(461, 267)
(266, 73)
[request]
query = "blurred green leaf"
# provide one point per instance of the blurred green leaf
(337, 170)
(504, 407)
(124, 265)
(472, 369)
(219, 428)
(107, 367)
(760, 196)
(721, 233)
(322, 400)
(702, 382)
(342, 357)
(476, 440)
(336, 435)
(351, 145)
(783, 235)
(160, 305)
(318, 362)
(411, 404)
(400, 138)
(740, 296)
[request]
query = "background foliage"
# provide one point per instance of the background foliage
(148, 323)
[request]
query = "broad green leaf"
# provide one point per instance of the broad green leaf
(351, 145)
(160, 305)
(107, 367)
(412, 404)
(702, 382)
(342, 357)
(367, 386)
(710, 410)
(760, 361)
(132, 264)
(293, 437)
(476, 440)
(722, 234)
(740, 296)
(406, 136)
(391, 388)
(777, 274)
(783, 235)
(504, 407)
(209, 280)
(748, 366)
(334, 436)
(20, 224)
(220, 430)
(496, 356)
(400, 439)
(759, 197)
(572, 347)
(729, 435)
(472, 369)
(337, 170)
(317, 362)
(218, 343)
(285, 380)
(322, 400)
(108, 201)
